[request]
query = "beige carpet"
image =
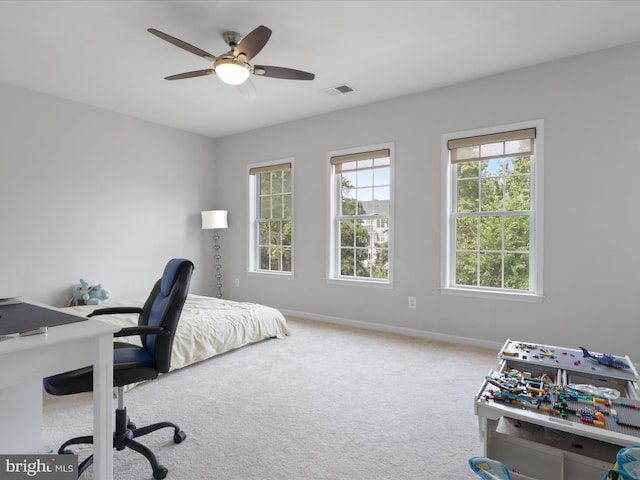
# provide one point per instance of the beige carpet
(327, 402)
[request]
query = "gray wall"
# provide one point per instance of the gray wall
(89, 193)
(590, 105)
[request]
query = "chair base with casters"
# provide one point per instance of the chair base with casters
(123, 437)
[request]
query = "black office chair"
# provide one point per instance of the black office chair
(157, 322)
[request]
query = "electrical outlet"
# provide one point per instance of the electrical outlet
(412, 302)
(237, 282)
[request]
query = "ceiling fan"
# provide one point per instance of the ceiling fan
(233, 67)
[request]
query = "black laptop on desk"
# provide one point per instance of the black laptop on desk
(26, 317)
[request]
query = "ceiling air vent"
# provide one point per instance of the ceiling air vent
(338, 89)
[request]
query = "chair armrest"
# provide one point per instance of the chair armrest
(114, 310)
(141, 330)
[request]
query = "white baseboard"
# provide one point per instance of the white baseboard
(409, 332)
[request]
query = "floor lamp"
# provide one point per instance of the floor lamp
(215, 220)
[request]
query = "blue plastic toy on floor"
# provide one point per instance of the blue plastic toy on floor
(489, 469)
(627, 465)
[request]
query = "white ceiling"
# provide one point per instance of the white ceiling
(100, 53)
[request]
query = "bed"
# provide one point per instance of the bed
(208, 326)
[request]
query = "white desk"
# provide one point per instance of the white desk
(24, 360)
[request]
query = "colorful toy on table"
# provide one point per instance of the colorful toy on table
(489, 469)
(604, 359)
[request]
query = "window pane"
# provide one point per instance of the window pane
(275, 259)
(382, 193)
(516, 233)
(362, 235)
(265, 183)
(286, 259)
(264, 258)
(490, 233)
(265, 207)
(263, 228)
(363, 262)
(286, 179)
(276, 206)
(491, 270)
(518, 193)
(466, 268)
(348, 180)
(276, 182)
(346, 261)
(275, 237)
(365, 178)
(516, 271)
(467, 233)
(517, 165)
(382, 176)
(380, 263)
(348, 195)
(286, 233)
(491, 168)
(491, 194)
(364, 195)
(347, 237)
(288, 210)
(468, 196)
(468, 170)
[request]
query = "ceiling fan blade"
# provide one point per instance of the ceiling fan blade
(252, 43)
(282, 72)
(247, 90)
(184, 45)
(196, 73)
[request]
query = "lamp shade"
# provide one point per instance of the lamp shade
(213, 219)
(231, 70)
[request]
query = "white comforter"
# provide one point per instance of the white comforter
(208, 326)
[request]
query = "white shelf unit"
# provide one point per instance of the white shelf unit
(536, 446)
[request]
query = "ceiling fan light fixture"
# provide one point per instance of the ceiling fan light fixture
(232, 70)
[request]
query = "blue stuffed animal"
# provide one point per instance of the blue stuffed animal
(86, 294)
(98, 295)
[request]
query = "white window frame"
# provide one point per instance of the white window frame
(253, 257)
(447, 256)
(333, 258)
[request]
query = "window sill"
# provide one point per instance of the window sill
(265, 274)
(358, 283)
(492, 295)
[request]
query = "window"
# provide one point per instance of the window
(361, 195)
(492, 227)
(271, 217)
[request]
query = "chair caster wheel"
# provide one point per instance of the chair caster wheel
(160, 473)
(179, 437)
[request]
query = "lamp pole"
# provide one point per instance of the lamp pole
(215, 220)
(216, 249)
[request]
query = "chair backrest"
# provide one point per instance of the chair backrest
(163, 309)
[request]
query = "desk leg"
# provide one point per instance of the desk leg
(103, 409)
